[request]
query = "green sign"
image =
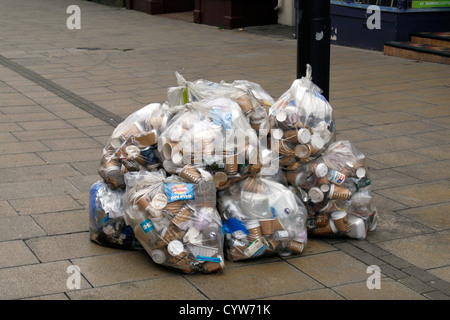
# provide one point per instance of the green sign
(431, 4)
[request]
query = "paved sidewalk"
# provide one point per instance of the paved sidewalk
(62, 92)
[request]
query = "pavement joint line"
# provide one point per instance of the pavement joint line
(63, 93)
(414, 280)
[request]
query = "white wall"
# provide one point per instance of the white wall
(286, 12)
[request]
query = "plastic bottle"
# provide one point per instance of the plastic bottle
(145, 232)
(281, 235)
(229, 208)
(335, 177)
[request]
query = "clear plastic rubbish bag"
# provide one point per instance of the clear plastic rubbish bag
(107, 226)
(133, 145)
(336, 190)
(262, 217)
(302, 123)
(176, 221)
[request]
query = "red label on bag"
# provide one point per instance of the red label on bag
(179, 189)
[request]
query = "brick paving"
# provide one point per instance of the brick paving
(63, 91)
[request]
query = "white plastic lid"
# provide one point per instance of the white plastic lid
(303, 135)
(325, 187)
(250, 224)
(330, 194)
(175, 247)
(336, 215)
(159, 201)
(360, 172)
(333, 226)
(321, 170)
(281, 116)
(317, 141)
(315, 194)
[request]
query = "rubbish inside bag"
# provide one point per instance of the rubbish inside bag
(107, 226)
(224, 171)
(262, 217)
(302, 123)
(336, 190)
(176, 221)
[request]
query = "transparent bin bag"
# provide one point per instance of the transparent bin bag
(251, 98)
(107, 226)
(175, 221)
(133, 144)
(211, 136)
(336, 191)
(302, 123)
(261, 217)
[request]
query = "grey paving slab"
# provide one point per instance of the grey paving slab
(154, 289)
(47, 204)
(424, 251)
(35, 280)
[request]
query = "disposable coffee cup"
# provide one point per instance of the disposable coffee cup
(316, 195)
(174, 207)
(292, 177)
(285, 149)
(159, 201)
(316, 144)
(277, 225)
(190, 174)
(254, 230)
(267, 226)
(327, 230)
(302, 151)
(143, 203)
(220, 178)
(291, 135)
(339, 192)
(169, 148)
(340, 220)
(177, 158)
(281, 116)
(175, 248)
(321, 170)
(182, 218)
(322, 219)
(134, 129)
(303, 135)
(146, 139)
(245, 104)
(295, 246)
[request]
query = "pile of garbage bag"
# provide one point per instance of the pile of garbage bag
(222, 171)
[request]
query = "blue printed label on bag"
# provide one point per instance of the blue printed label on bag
(210, 259)
(147, 226)
(179, 191)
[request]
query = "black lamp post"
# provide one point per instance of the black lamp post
(313, 41)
